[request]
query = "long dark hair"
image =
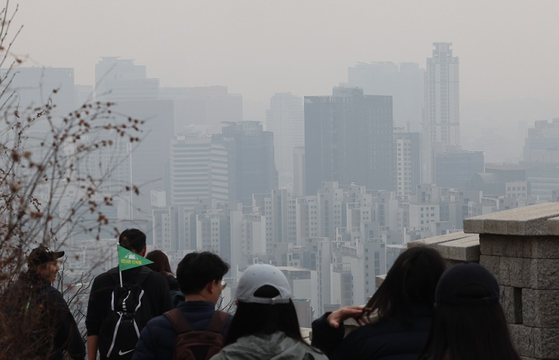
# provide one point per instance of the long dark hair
(410, 281)
(463, 328)
(253, 319)
(469, 332)
(160, 262)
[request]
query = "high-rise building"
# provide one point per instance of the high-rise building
(285, 119)
(120, 79)
(408, 162)
(403, 81)
(33, 87)
(441, 124)
(299, 181)
(209, 106)
(150, 156)
(250, 160)
(542, 143)
(455, 169)
(198, 170)
(349, 138)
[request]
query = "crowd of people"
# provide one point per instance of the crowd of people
(422, 310)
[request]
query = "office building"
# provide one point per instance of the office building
(198, 170)
(403, 81)
(250, 160)
(285, 119)
(208, 106)
(120, 79)
(349, 138)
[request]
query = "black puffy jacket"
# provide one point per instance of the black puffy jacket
(387, 339)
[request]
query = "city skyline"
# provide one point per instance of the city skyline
(278, 49)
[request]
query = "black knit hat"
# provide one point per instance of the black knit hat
(42, 255)
(467, 284)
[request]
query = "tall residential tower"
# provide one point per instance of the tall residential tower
(441, 122)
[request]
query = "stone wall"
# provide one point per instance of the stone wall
(521, 248)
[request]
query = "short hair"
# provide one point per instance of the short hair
(160, 262)
(196, 270)
(133, 240)
(411, 280)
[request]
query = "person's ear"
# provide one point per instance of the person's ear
(143, 252)
(210, 287)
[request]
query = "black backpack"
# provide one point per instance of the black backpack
(121, 329)
(197, 345)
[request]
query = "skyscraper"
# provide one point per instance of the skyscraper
(250, 160)
(348, 138)
(198, 170)
(441, 122)
(403, 81)
(120, 79)
(285, 119)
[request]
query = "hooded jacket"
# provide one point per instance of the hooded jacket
(276, 346)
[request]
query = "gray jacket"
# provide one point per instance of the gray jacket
(276, 346)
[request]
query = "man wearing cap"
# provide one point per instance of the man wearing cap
(200, 278)
(155, 301)
(43, 314)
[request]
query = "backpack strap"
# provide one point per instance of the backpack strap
(218, 321)
(178, 320)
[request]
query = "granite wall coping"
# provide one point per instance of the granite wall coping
(539, 219)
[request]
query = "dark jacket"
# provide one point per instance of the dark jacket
(52, 331)
(157, 340)
(156, 301)
(387, 339)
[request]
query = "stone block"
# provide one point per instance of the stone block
(491, 263)
(538, 274)
(500, 245)
(544, 247)
(465, 249)
(539, 343)
(436, 240)
(515, 272)
(544, 274)
(553, 226)
(536, 247)
(521, 337)
(529, 220)
(540, 308)
(511, 302)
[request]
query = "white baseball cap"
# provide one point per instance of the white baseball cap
(258, 275)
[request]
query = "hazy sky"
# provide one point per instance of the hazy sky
(507, 49)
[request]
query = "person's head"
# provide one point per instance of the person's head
(199, 276)
(44, 262)
(160, 262)
(468, 322)
(410, 281)
(133, 240)
(264, 305)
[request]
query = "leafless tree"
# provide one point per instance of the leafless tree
(47, 195)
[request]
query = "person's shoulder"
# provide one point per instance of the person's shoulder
(154, 278)
(160, 322)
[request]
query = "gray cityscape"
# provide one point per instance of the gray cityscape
(326, 166)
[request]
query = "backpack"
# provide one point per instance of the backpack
(120, 330)
(197, 345)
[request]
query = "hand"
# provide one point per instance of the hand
(339, 316)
